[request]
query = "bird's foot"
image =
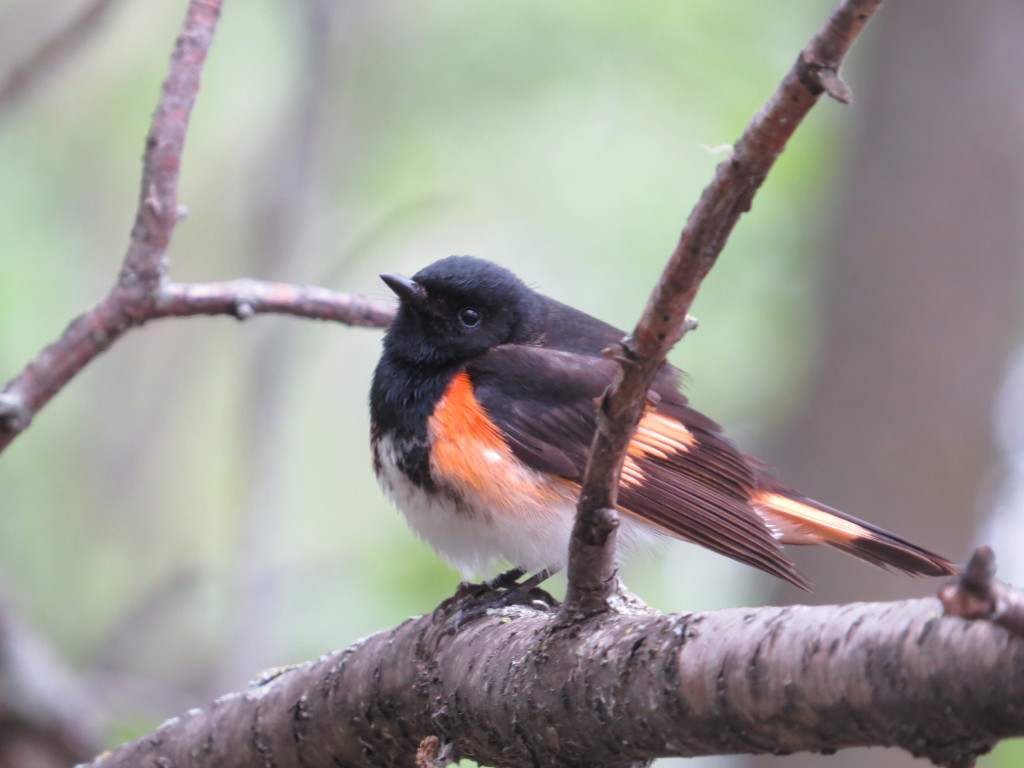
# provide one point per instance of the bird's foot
(471, 601)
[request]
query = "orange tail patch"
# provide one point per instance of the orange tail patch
(798, 521)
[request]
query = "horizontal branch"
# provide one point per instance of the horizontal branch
(245, 297)
(519, 688)
(94, 331)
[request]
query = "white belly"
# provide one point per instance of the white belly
(529, 531)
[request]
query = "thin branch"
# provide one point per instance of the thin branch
(145, 263)
(92, 332)
(52, 53)
(130, 301)
(518, 688)
(244, 298)
(664, 321)
(142, 292)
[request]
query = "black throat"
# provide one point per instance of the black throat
(402, 398)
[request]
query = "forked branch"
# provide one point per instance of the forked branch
(142, 292)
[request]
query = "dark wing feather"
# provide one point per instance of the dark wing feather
(545, 402)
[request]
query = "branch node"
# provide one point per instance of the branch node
(152, 201)
(603, 523)
(980, 571)
(244, 307)
(621, 352)
(818, 77)
(834, 85)
(971, 597)
(978, 595)
(15, 416)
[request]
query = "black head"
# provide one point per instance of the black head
(456, 309)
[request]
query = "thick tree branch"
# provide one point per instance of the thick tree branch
(664, 320)
(520, 688)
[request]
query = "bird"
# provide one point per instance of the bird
(482, 409)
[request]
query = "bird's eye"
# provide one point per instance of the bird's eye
(469, 317)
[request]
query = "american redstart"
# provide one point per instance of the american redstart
(483, 406)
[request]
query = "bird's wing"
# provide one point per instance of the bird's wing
(680, 474)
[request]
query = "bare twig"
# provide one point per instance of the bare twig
(977, 595)
(130, 301)
(145, 263)
(92, 332)
(244, 298)
(52, 53)
(664, 320)
(142, 292)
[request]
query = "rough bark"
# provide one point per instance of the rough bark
(519, 687)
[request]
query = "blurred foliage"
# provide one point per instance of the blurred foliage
(206, 482)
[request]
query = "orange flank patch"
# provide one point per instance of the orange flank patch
(795, 520)
(470, 455)
(660, 436)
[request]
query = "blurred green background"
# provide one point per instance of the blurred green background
(198, 505)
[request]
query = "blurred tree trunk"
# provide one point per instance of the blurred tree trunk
(921, 296)
(46, 718)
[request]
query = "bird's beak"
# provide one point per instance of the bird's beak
(405, 289)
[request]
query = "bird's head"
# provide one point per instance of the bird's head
(457, 309)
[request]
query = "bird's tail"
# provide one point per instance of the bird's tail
(796, 519)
